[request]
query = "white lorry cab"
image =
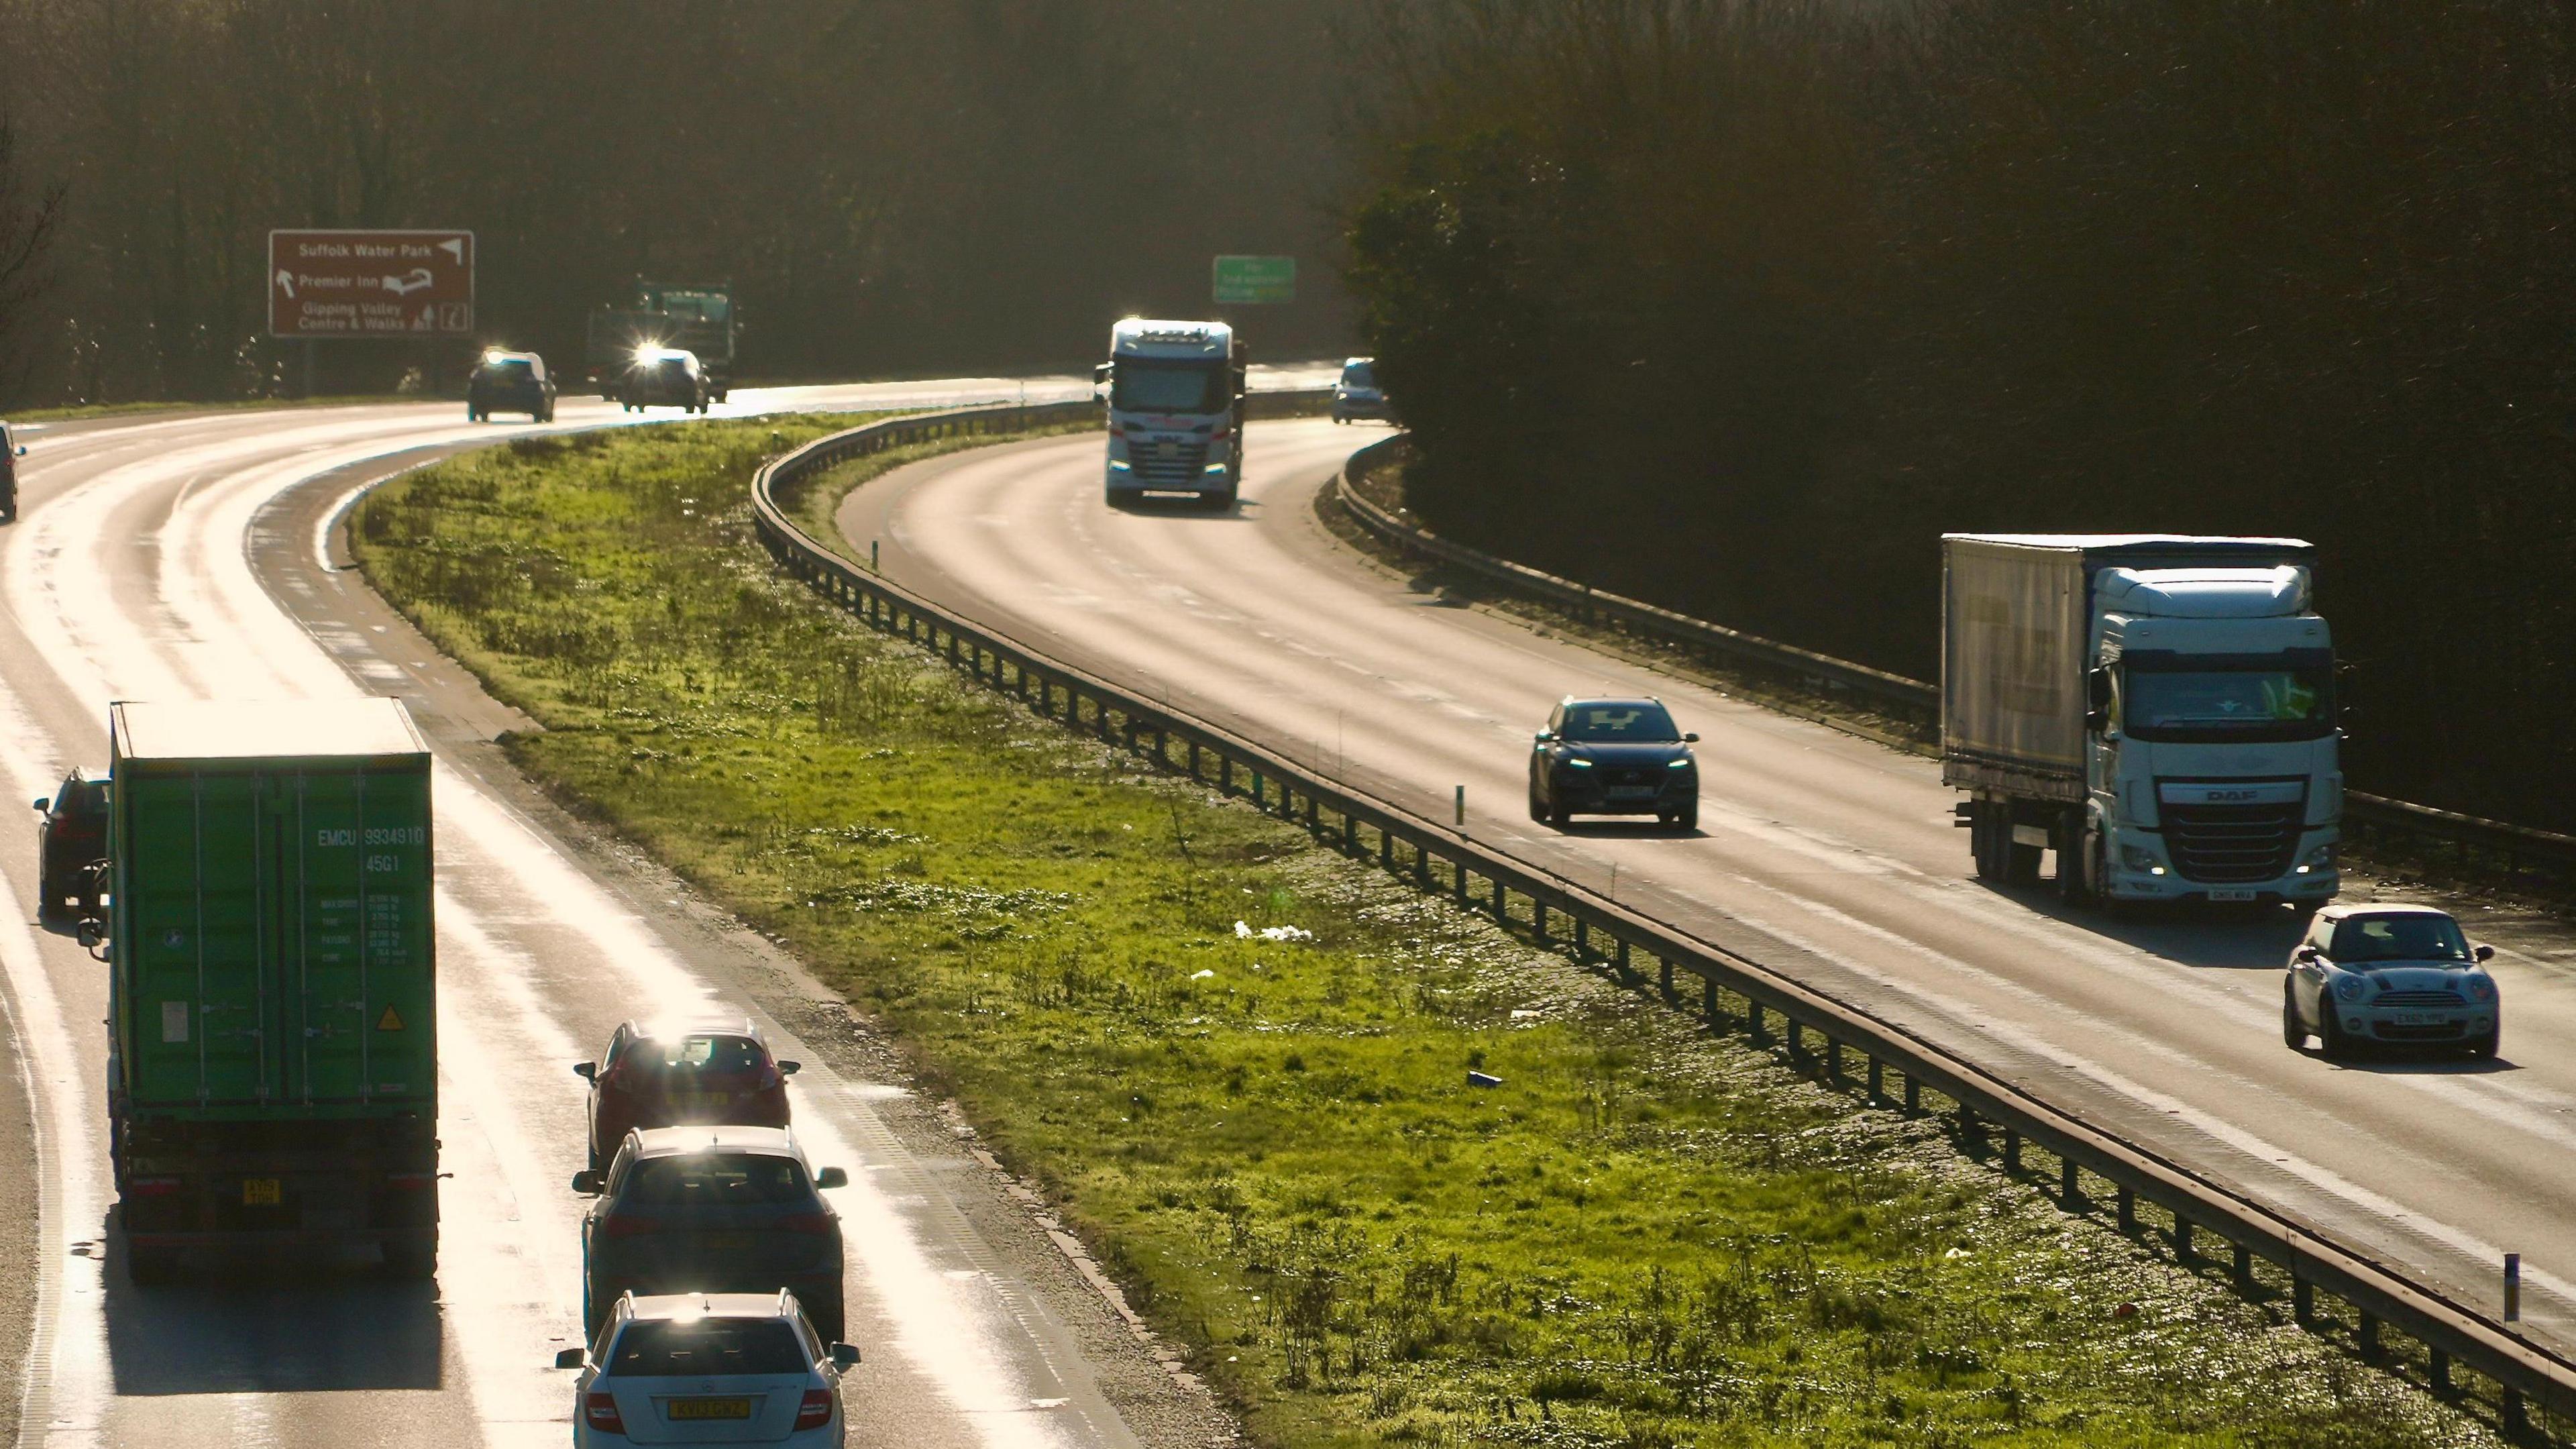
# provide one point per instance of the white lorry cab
(1175, 397)
(2158, 712)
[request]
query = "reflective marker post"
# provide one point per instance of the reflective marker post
(2513, 1287)
(1462, 807)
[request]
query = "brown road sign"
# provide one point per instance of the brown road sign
(370, 283)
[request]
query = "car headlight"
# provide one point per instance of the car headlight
(1579, 764)
(2481, 988)
(1683, 763)
(2350, 988)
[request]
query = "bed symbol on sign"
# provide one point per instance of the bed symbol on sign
(174, 938)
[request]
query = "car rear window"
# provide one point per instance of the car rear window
(512, 370)
(1359, 374)
(717, 1180)
(666, 1348)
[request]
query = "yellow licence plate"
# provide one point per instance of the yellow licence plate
(710, 1408)
(262, 1192)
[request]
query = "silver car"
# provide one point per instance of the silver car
(708, 1368)
(2390, 975)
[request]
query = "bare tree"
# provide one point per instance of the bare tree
(29, 216)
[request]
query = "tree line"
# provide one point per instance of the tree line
(893, 186)
(1738, 307)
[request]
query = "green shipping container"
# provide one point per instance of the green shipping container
(273, 996)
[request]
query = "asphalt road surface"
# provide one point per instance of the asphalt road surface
(1817, 852)
(188, 556)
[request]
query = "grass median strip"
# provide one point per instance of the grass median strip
(1239, 1062)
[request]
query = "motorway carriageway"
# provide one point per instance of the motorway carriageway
(1820, 854)
(185, 556)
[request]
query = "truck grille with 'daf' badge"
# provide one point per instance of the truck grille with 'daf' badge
(2233, 844)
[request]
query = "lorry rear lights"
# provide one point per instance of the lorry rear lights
(816, 1411)
(599, 1411)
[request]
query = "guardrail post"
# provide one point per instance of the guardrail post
(1753, 1019)
(1386, 849)
(2437, 1371)
(2128, 1201)
(1502, 904)
(1462, 880)
(1877, 1080)
(2511, 1415)
(1913, 1096)
(1708, 1003)
(1422, 865)
(2070, 1183)
(1257, 802)
(2303, 1300)
(2182, 1246)
(1834, 1060)
(2365, 1337)
(1538, 919)
(1583, 940)
(1797, 1038)
(2012, 1149)
(1194, 761)
(2244, 1269)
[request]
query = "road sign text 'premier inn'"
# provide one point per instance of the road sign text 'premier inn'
(370, 283)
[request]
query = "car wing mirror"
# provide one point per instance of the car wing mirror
(91, 933)
(2304, 953)
(571, 1358)
(1690, 739)
(587, 1183)
(43, 801)
(789, 1069)
(845, 1355)
(587, 1071)
(2483, 951)
(831, 1177)
(1542, 737)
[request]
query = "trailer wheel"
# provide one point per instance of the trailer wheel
(1982, 830)
(2022, 866)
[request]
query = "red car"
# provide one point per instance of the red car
(707, 1073)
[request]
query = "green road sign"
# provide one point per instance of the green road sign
(1256, 279)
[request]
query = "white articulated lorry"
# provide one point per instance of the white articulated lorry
(2158, 711)
(1175, 396)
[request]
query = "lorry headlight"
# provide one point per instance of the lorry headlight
(2138, 857)
(1118, 465)
(2321, 858)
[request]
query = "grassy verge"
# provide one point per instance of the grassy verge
(1239, 1062)
(86, 411)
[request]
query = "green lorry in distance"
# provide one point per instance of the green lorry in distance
(693, 317)
(272, 1057)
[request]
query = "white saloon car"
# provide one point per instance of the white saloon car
(2392, 975)
(708, 1368)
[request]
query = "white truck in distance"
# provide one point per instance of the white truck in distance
(2157, 711)
(1175, 395)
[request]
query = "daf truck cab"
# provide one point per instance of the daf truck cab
(1175, 396)
(2156, 711)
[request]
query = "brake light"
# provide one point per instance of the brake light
(816, 1411)
(151, 1186)
(627, 1225)
(599, 1411)
(805, 1223)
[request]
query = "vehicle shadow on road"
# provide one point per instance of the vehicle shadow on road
(1642, 828)
(2211, 937)
(1241, 510)
(2388, 1062)
(269, 1328)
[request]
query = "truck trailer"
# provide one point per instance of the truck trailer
(696, 318)
(272, 998)
(1175, 396)
(2156, 711)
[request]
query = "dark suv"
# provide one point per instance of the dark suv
(664, 377)
(1613, 757)
(510, 382)
(711, 1210)
(10, 452)
(71, 836)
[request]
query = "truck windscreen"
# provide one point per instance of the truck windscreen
(1138, 385)
(2292, 703)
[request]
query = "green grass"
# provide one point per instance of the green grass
(1644, 1237)
(85, 411)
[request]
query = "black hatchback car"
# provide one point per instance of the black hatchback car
(1613, 757)
(711, 1210)
(665, 377)
(71, 836)
(510, 382)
